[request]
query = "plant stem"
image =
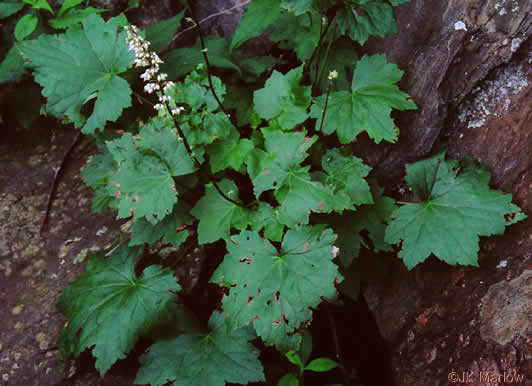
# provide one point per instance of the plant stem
(327, 54)
(205, 56)
(316, 50)
(326, 103)
(198, 164)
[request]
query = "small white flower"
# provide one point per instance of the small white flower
(168, 86)
(162, 77)
(158, 106)
(155, 58)
(335, 251)
(151, 87)
(146, 75)
(177, 110)
(333, 75)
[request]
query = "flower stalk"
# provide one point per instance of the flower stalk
(156, 81)
(333, 75)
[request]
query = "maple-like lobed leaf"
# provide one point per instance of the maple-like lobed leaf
(257, 17)
(284, 99)
(369, 104)
(210, 359)
(279, 168)
(277, 289)
(147, 163)
(284, 152)
(267, 217)
(172, 227)
(348, 172)
(298, 33)
(217, 215)
(457, 207)
(109, 307)
(366, 18)
(81, 64)
(298, 7)
(373, 217)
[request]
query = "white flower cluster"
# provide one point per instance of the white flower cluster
(156, 81)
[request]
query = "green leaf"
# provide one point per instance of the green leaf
(347, 172)
(9, 7)
(181, 61)
(73, 16)
(147, 162)
(148, 188)
(240, 98)
(276, 289)
(164, 141)
(109, 306)
(39, 4)
(12, 67)
(172, 227)
(294, 358)
(210, 359)
(369, 104)
(371, 217)
(321, 365)
(298, 7)
(195, 91)
(98, 168)
(365, 18)
(290, 379)
(256, 65)
(300, 34)
(161, 34)
(96, 174)
(258, 16)
(84, 62)
(398, 2)
(231, 152)
(284, 98)
(68, 4)
(457, 206)
(279, 168)
(25, 26)
(265, 216)
(299, 196)
(216, 215)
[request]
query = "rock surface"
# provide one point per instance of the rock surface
(438, 319)
(230, 12)
(443, 62)
(35, 270)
